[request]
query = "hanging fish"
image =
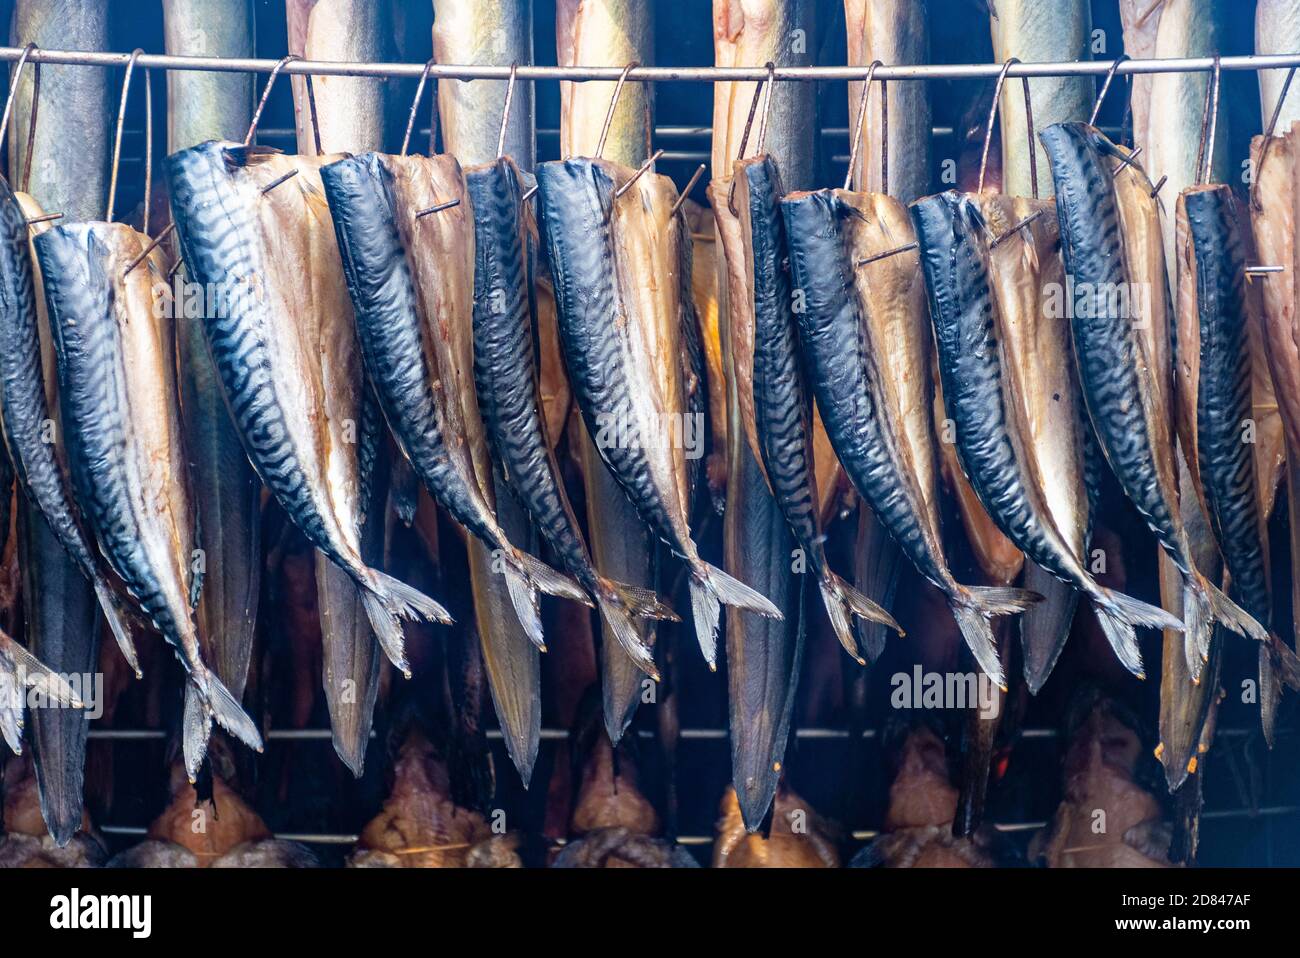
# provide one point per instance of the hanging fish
(251, 236)
(508, 393)
(777, 409)
(850, 294)
(26, 414)
(1131, 417)
(117, 389)
(989, 441)
(1047, 408)
(417, 338)
(618, 257)
(1214, 389)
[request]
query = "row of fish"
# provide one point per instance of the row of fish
(253, 224)
(349, 293)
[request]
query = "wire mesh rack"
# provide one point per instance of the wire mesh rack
(691, 144)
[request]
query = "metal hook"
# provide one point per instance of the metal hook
(884, 137)
(767, 106)
(857, 125)
(36, 98)
(998, 241)
(437, 208)
(1268, 138)
(266, 93)
(613, 104)
(993, 115)
(167, 230)
(1209, 125)
(1105, 88)
(638, 174)
(690, 185)
(415, 106)
(278, 180)
(1029, 130)
(117, 139)
(749, 122)
(905, 248)
(505, 115)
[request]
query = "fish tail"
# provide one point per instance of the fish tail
(196, 729)
(1198, 625)
(547, 580)
(706, 610)
(19, 664)
(1224, 610)
(842, 603)
(1119, 616)
(387, 601)
(711, 588)
(973, 607)
(408, 602)
(523, 596)
(19, 670)
(731, 591)
(1270, 693)
(118, 624)
(640, 601)
(387, 627)
(226, 710)
(618, 614)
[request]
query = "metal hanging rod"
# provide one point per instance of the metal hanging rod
(929, 71)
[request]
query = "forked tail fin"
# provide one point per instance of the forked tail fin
(1204, 604)
(842, 603)
(387, 601)
(973, 607)
(1119, 616)
(227, 712)
(20, 671)
(619, 617)
(711, 588)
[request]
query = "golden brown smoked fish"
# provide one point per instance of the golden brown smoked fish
(117, 389)
(270, 254)
(1045, 406)
(620, 257)
(848, 309)
(1133, 427)
(989, 441)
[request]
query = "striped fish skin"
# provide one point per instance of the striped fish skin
(1118, 391)
(506, 381)
(118, 402)
(1226, 462)
(949, 228)
(617, 380)
(413, 362)
(274, 392)
(782, 404)
(26, 413)
(845, 381)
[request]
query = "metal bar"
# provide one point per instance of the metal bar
(558, 734)
(936, 71)
(861, 835)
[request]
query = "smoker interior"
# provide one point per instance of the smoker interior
(837, 755)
